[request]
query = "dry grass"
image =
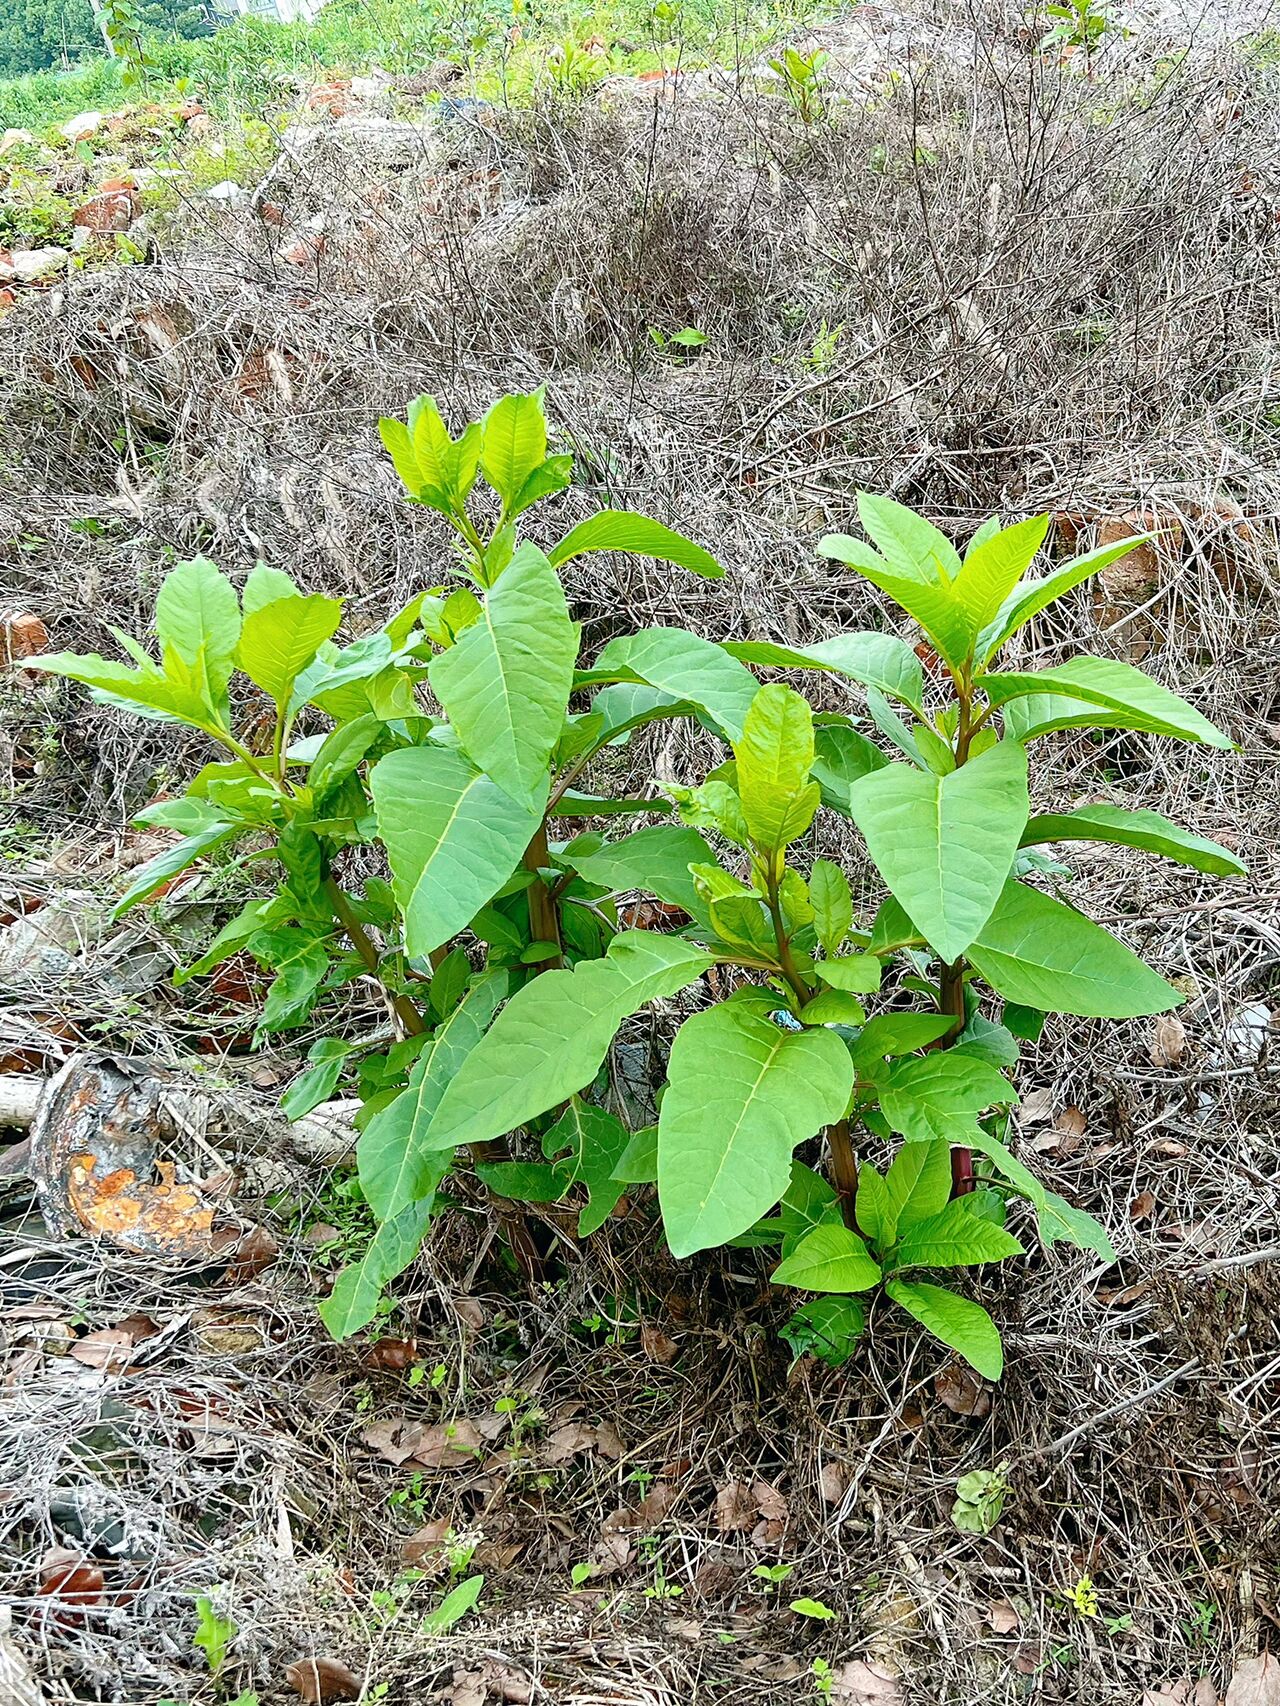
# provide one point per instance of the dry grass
(1050, 292)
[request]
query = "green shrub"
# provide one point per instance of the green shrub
(498, 938)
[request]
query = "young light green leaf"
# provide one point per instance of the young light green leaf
(994, 567)
(833, 1007)
(945, 845)
(397, 1166)
(964, 1326)
(506, 682)
(832, 906)
(513, 442)
(1036, 951)
(320, 1080)
(550, 1039)
(145, 691)
(1147, 830)
(773, 755)
(688, 668)
(278, 640)
(453, 837)
(955, 1237)
(909, 544)
(827, 1328)
(341, 753)
(1029, 599)
(637, 536)
(1062, 1222)
(198, 619)
(831, 1259)
(300, 961)
(933, 605)
(741, 1094)
(453, 1607)
(264, 586)
(893, 1034)
(1126, 698)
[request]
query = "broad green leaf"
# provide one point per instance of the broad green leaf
(453, 1607)
(830, 1259)
(320, 1080)
(397, 1168)
(873, 660)
(833, 1007)
(871, 1206)
(264, 586)
(638, 1163)
(523, 1181)
(1147, 830)
(588, 1144)
(688, 668)
(994, 567)
(638, 536)
(909, 544)
(827, 1328)
(934, 606)
(832, 907)
(552, 1036)
(1119, 690)
(809, 1201)
(918, 1184)
(300, 961)
(188, 814)
(858, 973)
(198, 618)
(893, 1034)
(278, 640)
(741, 1094)
(924, 1096)
(629, 704)
(945, 845)
(715, 805)
(513, 442)
(506, 683)
(907, 740)
(453, 838)
(655, 859)
(341, 753)
(1029, 598)
(955, 1237)
(353, 1302)
(1038, 952)
(449, 982)
(842, 757)
(1061, 1222)
(964, 1326)
(773, 756)
(156, 872)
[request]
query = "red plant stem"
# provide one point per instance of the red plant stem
(844, 1166)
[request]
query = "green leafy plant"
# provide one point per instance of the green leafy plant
(454, 1606)
(465, 806)
(980, 1498)
(1078, 24)
(823, 1042)
(214, 1633)
(801, 77)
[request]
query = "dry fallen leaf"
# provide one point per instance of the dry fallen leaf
(1002, 1617)
(769, 1502)
(1142, 1206)
(108, 1349)
(256, 1251)
(962, 1391)
(469, 1312)
(320, 1680)
(657, 1346)
(735, 1507)
(1070, 1122)
(1036, 1107)
(833, 1481)
(425, 1547)
(861, 1684)
(397, 1354)
(1183, 1692)
(1256, 1682)
(1168, 1040)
